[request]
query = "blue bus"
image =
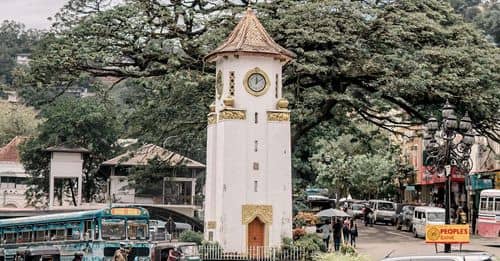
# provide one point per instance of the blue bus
(94, 235)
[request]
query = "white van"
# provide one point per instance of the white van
(383, 211)
(426, 215)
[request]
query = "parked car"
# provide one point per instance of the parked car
(404, 216)
(384, 211)
(356, 210)
(423, 216)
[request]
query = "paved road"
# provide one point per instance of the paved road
(377, 241)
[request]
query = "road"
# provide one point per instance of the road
(377, 241)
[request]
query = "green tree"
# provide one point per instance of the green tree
(16, 120)
(363, 165)
(393, 63)
(70, 122)
(14, 39)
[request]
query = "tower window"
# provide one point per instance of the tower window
(256, 116)
(255, 186)
(276, 86)
(255, 166)
(256, 145)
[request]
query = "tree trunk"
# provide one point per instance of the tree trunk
(71, 188)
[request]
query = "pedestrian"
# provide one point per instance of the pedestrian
(345, 231)
(173, 254)
(325, 231)
(368, 215)
(337, 234)
(461, 216)
(354, 235)
(78, 256)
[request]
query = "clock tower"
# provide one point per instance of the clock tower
(248, 197)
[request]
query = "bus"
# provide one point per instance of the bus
(488, 221)
(96, 234)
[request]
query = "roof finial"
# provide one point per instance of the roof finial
(249, 10)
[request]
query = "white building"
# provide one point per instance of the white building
(177, 188)
(12, 176)
(23, 58)
(248, 201)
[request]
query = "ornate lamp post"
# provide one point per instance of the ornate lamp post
(448, 144)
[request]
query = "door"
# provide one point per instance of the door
(256, 231)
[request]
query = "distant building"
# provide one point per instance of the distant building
(13, 177)
(23, 58)
(178, 188)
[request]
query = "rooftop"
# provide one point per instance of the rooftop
(144, 154)
(250, 37)
(10, 152)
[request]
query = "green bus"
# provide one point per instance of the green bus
(95, 235)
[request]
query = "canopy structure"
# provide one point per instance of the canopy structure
(331, 212)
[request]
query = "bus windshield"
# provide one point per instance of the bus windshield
(113, 229)
(137, 229)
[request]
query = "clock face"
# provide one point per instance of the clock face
(218, 84)
(256, 82)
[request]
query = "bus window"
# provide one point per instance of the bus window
(69, 233)
(483, 204)
(490, 204)
(87, 229)
(137, 229)
(113, 229)
(10, 238)
(25, 236)
(40, 236)
(56, 234)
(497, 204)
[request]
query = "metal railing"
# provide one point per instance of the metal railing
(212, 253)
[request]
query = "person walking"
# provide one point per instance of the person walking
(354, 234)
(325, 232)
(337, 234)
(346, 231)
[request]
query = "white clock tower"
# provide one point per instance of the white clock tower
(248, 193)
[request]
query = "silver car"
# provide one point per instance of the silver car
(482, 256)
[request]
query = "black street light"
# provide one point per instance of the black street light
(448, 144)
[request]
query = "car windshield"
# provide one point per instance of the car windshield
(385, 206)
(189, 250)
(357, 207)
(435, 216)
(113, 229)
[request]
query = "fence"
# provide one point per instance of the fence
(215, 253)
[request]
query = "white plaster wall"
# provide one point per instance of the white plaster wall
(66, 164)
(211, 178)
(231, 196)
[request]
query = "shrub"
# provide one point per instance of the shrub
(191, 236)
(310, 243)
(305, 219)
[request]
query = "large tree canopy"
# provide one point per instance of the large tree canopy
(70, 122)
(392, 63)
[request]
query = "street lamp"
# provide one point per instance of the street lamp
(444, 150)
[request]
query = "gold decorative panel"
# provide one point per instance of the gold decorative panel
(211, 225)
(278, 116)
(212, 118)
(232, 114)
(263, 212)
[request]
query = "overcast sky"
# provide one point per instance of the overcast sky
(33, 13)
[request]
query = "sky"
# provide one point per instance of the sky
(32, 13)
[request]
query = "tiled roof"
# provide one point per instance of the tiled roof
(10, 152)
(144, 154)
(250, 37)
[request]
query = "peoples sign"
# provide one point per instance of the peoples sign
(450, 234)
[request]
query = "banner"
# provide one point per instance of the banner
(449, 234)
